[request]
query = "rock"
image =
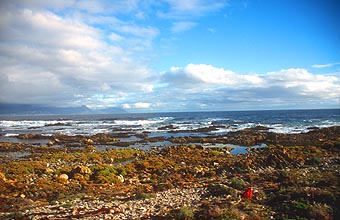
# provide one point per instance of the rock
(63, 177)
(56, 140)
(167, 127)
(120, 178)
(89, 141)
(82, 170)
(91, 148)
(3, 177)
(261, 128)
(192, 146)
(50, 144)
(49, 171)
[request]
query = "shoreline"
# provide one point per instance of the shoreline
(295, 175)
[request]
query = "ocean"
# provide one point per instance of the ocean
(170, 124)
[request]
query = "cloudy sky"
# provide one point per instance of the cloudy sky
(171, 55)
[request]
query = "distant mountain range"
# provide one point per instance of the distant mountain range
(31, 109)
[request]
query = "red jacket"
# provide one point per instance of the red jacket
(248, 194)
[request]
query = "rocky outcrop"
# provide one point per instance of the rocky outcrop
(294, 180)
(252, 137)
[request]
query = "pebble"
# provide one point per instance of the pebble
(159, 205)
(63, 176)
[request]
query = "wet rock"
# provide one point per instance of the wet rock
(312, 128)
(122, 144)
(261, 128)
(11, 147)
(168, 127)
(156, 139)
(56, 140)
(208, 129)
(32, 136)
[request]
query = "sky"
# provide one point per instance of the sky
(171, 55)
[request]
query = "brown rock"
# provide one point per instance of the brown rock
(89, 141)
(91, 148)
(82, 170)
(63, 177)
(120, 178)
(2, 177)
(49, 171)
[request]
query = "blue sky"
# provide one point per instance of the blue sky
(171, 55)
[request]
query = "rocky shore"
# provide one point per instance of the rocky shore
(296, 176)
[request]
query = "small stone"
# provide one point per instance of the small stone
(74, 210)
(50, 144)
(82, 170)
(120, 178)
(56, 140)
(2, 177)
(63, 177)
(49, 171)
(89, 141)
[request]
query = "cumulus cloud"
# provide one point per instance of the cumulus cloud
(59, 53)
(306, 83)
(210, 75)
(46, 58)
(206, 86)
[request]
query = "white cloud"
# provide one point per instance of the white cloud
(145, 32)
(189, 8)
(47, 29)
(90, 6)
(208, 74)
(38, 4)
(320, 66)
(138, 105)
(298, 80)
(142, 105)
(216, 88)
(46, 58)
(306, 83)
(182, 26)
(83, 52)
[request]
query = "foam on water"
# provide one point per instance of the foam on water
(277, 121)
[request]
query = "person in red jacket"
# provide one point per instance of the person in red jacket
(248, 194)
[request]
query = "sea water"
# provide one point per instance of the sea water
(170, 124)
